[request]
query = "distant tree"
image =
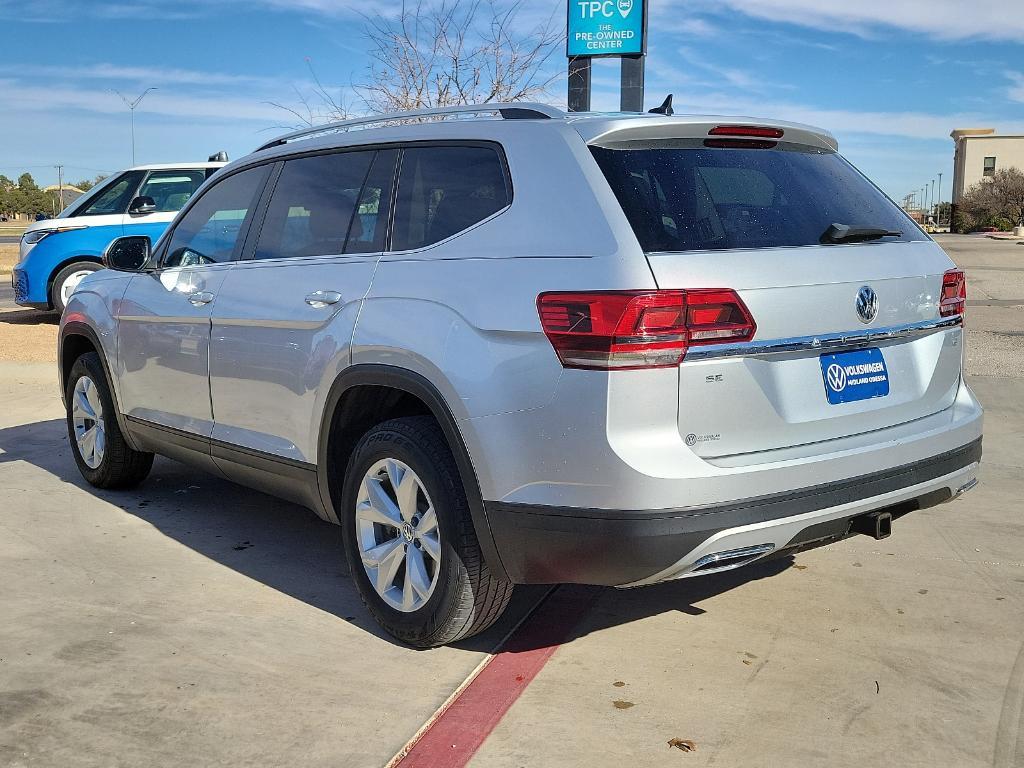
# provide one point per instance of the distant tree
(86, 184)
(996, 201)
(438, 53)
(455, 52)
(27, 183)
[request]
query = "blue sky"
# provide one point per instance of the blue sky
(890, 78)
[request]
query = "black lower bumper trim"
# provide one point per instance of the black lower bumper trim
(549, 545)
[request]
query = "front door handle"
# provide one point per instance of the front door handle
(319, 299)
(199, 298)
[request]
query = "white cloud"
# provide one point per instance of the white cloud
(942, 19)
(33, 98)
(1016, 90)
(915, 125)
(146, 75)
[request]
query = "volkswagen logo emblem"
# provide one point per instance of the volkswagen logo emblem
(867, 304)
(836, 377)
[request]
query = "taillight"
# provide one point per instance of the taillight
(954, 293)
(756, 131)
(640, 329)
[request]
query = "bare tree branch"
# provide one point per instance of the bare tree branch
(456, 52)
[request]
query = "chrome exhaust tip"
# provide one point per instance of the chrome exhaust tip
(965, 488)
(729, 559)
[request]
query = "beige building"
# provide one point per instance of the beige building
(980, 153)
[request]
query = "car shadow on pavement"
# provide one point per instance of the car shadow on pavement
(288, 548)
(28, 317)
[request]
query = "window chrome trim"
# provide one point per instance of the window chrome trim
(822, 342)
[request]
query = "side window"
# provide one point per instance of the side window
(444, 190)
(115, 197)
(170, 190)
(312, 211)
(209, 232)
(370, 227)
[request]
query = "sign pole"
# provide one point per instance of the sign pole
(606, 28)
(579, 84)
(631, 91)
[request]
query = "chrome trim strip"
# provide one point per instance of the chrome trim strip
(823, 342)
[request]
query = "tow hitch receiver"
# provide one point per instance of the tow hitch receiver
(878, 525)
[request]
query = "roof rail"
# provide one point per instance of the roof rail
(507, 111)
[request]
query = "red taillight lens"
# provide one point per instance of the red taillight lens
(640, 329)
(954, 293)
(757, 131)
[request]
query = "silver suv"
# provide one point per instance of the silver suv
(506, 345)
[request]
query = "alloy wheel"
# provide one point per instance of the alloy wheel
(397, 535)
(87, 418)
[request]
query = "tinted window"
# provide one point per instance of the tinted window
(317, 205)
(170, 190)
(444, 190)
(114, 197)
(680, 195)
(370, 227)
(209, 232)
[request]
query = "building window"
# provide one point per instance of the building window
(990, 166)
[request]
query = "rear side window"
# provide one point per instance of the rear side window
(443, 190)
(170, 190)
(680, 195)
(312, 210)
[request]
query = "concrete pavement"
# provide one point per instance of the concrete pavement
(193, 622)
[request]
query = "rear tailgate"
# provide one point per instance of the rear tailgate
(758, 396)
(802, 238)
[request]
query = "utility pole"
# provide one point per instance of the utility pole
(132, 104)
(60, 185)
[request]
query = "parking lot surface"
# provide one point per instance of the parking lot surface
(194, 622)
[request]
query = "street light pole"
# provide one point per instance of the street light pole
(939, 220)
(933, 195)
(132, 104)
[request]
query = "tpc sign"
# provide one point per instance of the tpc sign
(606, 28)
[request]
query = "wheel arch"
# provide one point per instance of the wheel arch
(77, 339)
(67, 263)
(395, 392)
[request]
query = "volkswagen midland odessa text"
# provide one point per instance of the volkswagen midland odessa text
(501, 344)
(57, 253)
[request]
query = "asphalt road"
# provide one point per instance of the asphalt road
(6, 294)
(10, 239)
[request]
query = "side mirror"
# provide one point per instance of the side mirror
(127, 254)
(142, 205)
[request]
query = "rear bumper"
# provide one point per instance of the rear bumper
(545, 544)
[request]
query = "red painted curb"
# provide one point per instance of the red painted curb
(458, 731)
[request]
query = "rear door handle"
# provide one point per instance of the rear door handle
(320, 299)
(199, 298)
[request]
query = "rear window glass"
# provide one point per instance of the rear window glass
(680, 195)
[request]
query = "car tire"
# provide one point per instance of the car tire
(453, 595)
(65, 281)
(103, 456)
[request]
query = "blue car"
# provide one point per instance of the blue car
(57, 253)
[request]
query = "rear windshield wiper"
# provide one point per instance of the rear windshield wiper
(844, 233)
